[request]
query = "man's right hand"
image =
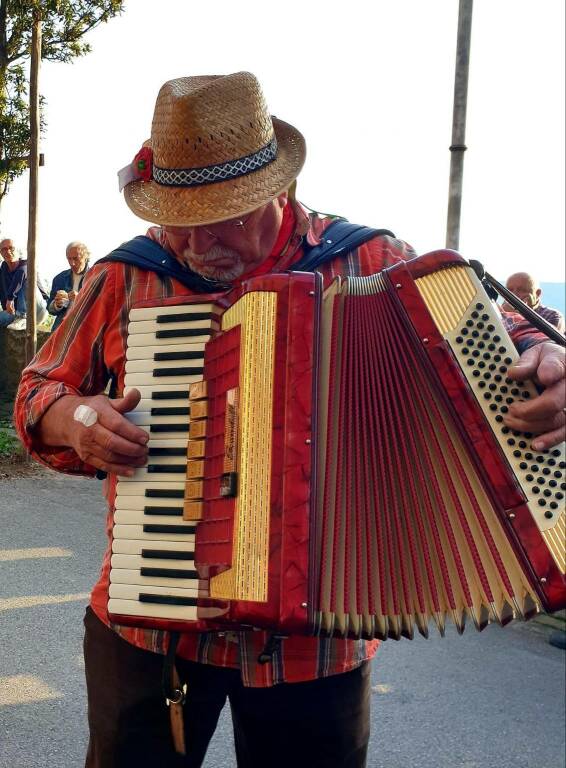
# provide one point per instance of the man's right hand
(113, 444)
(60, 298)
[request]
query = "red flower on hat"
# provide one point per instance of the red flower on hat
(143, 164)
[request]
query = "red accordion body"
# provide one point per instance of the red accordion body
(352, 474)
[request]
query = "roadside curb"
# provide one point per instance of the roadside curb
(556, 620)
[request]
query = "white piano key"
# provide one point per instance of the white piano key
(136, 532)
(134, 577)
(132, 591)
(135, 562)
(136, 495)
(151, 326)
(146, 379)
(150, 339)
(147, 353)
(127, 487)
(136, 546)
(146, 418)
(145, 366)
(150, 313)
(139, 502)
(150, 396)
(119, 607)
(177, 460)
(147, 473)
(146, 405)
(138, 516)
(178, 429)
(148, 391)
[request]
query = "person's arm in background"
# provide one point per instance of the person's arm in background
(16, 283)
(55, 303)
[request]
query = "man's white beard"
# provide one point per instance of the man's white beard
(212, 271)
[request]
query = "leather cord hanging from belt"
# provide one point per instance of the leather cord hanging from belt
(175, 694)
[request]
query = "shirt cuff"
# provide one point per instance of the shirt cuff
(61, 459)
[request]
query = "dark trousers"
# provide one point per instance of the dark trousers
(317, 724)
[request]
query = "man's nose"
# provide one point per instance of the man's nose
(200, 240)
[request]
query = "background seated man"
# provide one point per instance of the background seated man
(13, 287)
(527, 288)
(67, 284)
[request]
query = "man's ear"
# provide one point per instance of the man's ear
(538, 292)
(282, 199)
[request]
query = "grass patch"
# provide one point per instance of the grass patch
(10, 446)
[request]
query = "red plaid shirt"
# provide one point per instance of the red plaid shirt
(89, 347)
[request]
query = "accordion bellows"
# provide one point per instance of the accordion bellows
(349, 472)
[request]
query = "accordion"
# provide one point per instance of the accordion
(334, 462)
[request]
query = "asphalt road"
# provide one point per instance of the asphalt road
(494, 700)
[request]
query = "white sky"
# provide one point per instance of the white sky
(370, 85)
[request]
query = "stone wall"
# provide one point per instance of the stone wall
(12, 359)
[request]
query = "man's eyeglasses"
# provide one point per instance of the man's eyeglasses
(224, 228)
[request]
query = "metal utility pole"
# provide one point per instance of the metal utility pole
(31, 330)
(458, 146)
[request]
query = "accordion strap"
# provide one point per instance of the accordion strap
(340, 238)
(146, 254)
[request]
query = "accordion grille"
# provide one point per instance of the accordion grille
(555, 539)
(255, 313)
(447, 294)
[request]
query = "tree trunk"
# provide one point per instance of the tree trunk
(31, 331)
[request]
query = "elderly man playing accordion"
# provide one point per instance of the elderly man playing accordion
(217, 178)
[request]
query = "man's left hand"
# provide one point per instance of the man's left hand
(544, 415)
(10, 307)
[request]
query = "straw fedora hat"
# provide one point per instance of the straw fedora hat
(215, 153)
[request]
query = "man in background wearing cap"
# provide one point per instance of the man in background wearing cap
(216, 179)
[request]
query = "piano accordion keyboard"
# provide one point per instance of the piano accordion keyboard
(152, 566)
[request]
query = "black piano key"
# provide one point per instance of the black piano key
(188, 355)
(179, 411)
(160, 493)
(179, 469)
(178, 511)
(170, 573)
(167, 554)
(156, 528)
(190, 371)
(169, 427)
(167, 599)
(180, 317)
(167, 452)
(170, 394)
(183, 333)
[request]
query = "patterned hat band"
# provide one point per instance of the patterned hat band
(232, 169)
